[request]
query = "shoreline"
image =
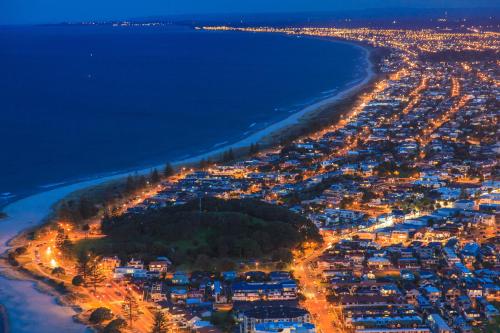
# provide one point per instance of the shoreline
(267, 137)
(32, 211)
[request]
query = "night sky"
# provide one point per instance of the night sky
(54, 11)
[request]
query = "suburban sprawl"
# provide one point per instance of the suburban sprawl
(402, 192)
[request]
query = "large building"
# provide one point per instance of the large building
(394, 330)
(271, 314)
(285, 327)
(271, 291)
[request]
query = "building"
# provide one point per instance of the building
(180, 278)
(438, 325)
(108, 264)
(121, 272)
(284, 327)
(271, 314)
(271, 291)
(136, 263)
(160, 266)
(378, 263)
(394, 330)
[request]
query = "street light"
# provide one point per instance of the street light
(53, 263)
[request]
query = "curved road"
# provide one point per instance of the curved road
(28, 309)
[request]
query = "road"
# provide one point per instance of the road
(325, 316)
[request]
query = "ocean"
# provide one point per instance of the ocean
(86, 101)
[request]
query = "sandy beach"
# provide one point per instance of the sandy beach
(267, 136)
(17, 296)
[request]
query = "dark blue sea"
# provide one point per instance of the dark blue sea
(85, 101)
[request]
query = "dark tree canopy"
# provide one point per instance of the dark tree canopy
(225, 229)
(115, 326)
(99, 315)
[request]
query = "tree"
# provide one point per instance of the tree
(65, 212)
(130, 185)
(254, 148)
(60, 237)
(86, 229)
(99, 315)
(159, 323)
(115, 326)
(131, 309)
(58, 271)
(228, 155)
(66, 246)
(141, 182)
(82, 264)
(168, 171)
(86, 208)
(203, 262)
(154, 178)
(204, 163)
(282, 255)
(77, 280)
(95, 276)
(21, 250)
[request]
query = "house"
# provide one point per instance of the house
(178, 295)
(408, 263)
(353, 301)
(438, 325)
(160, 266)
(121, 272)
(423, 303)
(135, 263)
(255, 291)
(156, 292)
(277, 314)
(461, 325)
(378, 263)
(464, 204)
(411, 296)
(450, 256)
(432, 293)
(108, 264)
(140, 274)
(180, 278)
(279, 275)
(229, 275)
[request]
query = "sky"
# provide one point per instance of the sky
(55, 11)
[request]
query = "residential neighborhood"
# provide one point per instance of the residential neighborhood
(403, 188)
